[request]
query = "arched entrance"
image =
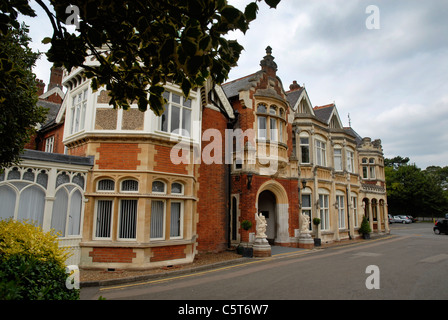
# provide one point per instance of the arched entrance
(267, 206)
(273, 200)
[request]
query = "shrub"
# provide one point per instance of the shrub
(32, 265)
(365, 226)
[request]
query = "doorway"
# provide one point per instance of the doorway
(267, 206)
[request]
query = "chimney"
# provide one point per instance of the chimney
(294, 86)
(40, 87)
(55, 78)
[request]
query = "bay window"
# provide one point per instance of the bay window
(177, 115)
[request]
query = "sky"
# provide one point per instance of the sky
(390, 80)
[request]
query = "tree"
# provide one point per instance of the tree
(138, 46)
(412, 191)
(18, 94)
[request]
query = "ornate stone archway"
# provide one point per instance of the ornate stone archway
(280, 210)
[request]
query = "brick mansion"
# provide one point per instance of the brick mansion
(130, 190)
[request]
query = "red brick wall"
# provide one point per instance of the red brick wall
(212, 193)
(118, 156)
(58, 134)
(80, 150)
(120, 255)
(248, 201)
(168, 253)
(163, 161)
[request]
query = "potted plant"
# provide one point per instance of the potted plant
(247, 252)
(317, 241)
(365, 229)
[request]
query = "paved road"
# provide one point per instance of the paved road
(411, 263)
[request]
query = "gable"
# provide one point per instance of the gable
(300, 101)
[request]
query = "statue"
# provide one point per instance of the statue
(261, 225)
(305, 222)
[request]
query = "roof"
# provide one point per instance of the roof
(53, 110)
(57, 157)
(324, 113)
(293, 96)
(232, 88)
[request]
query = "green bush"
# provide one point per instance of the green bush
(32, 265)
(23, 277)
(365, 226)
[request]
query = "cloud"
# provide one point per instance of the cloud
(392, 81)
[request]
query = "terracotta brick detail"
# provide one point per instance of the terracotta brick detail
(118, 156)
(118, 255)
(163, 161)
(168, 253)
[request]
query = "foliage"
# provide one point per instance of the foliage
(365, 226)
(246, 225)
(18, 111)
(316, 221)
(24, 277)
(415, 192)
(32, 265)
(141, 45)
(24, 238)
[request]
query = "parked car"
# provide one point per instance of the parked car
(401, 219)
(391, 219)
(412, 218)
(441, 226)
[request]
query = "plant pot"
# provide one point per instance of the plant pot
(366, 235)
(317, 242)
(248, 252)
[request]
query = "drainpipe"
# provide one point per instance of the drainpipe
(348, 213)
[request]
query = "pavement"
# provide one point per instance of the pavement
(276, 252)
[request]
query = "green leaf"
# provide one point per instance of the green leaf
(46, 40)
(272, 3)
(251, 11)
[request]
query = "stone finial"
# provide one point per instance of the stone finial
(268, 64)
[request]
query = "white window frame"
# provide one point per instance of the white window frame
(324, 213)
(304, 146)
(78, 109)
(183, 107)
(181, 186)
(321, 153)
(102, 190)
(163, 221)
(340, 201)
(120, 220)
(337, 158)
(159, 192)
(49, 144)
(95, 237)
(350, 161)
(181, 219)
(354, 203)
(129, 191)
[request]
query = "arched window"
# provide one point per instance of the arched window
(158, 187)
(129, 186)
(67, 206)
(8, 202)
(177, 188)
(32, 205)
(106, 185)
